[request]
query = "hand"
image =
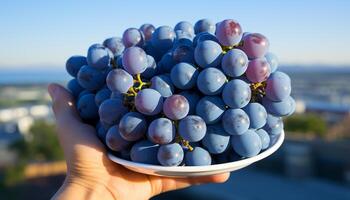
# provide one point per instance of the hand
(90, 174)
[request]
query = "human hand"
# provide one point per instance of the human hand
(90, 174)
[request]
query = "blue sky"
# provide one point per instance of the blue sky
(46, 33)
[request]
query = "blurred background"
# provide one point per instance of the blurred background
(311, 39)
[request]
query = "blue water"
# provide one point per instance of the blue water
(33, 76)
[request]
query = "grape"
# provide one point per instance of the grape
(152, 51)
(279, 108)
(204, 36)
(98, 57)
(74, 64)
(84, 92)
(161, 131)
(258, 70)
(228, 156)
(149, 102)
(115, 44)
(183, 53)
(183, 38)
(192, 98)
(216, 140)
(166, 63)
(234, 63)
(208, 54)
(272, 60)
(118, 80)
(151, 69)
(111, 111)
(91, 78)
(114, 141)
(101, 132)
(197, 157)
(236, 93)
(204, 25)
(163, 38)
(211, 81)
(132, 37)
(147, 30)
(255, 45)
(134, 60)
(274, 125)
(210, 109)
(264, 137)
(278, 86)
(74, 87)
(185, 26)
(192, 128)
(102, 95)
(87, 107)
(117, 95)
(176, 107)
(144, 151)
(293, 107)
(228, 32)
(162, 83)
(235, 121)
(257, 115)
(132, 126)
(247, 144)
(170, 154)
(184, 76)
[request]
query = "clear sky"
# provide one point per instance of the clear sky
(45, 33)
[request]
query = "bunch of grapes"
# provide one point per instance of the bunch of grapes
(189, 95)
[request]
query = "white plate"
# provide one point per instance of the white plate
(186, 171)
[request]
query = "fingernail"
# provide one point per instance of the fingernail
(52, 91)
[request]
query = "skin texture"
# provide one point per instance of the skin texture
(90, 174)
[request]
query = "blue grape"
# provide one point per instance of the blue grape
(216, 140)
(135, 60)
(132, 126)
(257, 115)
(161, 131)
(183, 53)
(98, 57)
(152, 51)
(234, 63)
(235, 121)
(272, 60)
(229, 32)
(279, 108)
(197, 157)
(204, 25)
(208, 54)
(102, 95)
(115, 44)
(176, 107)
(247, 145)
(151, 69)
(74, 87)
(185, 26)
(114, 141)
(183, 39)
(211, 81)
(111, 111)
(91, 78)
(87, 107)
(144, 151)
(149, 102)
(210, 109)
(166, 63)
(236, 93)
(162, 83)
(170, 154)
(84, 92)
(192, 128)
(278, 86)
(274, 125)
(163, 38)
(184, 76)
(101, 132)
(264, 137)
(74, 64)
(118, 80)
(228, 156)
(192, 98)
(117, 95)
(204, 36)
(147, 30)
(132, 37)
(293, 107)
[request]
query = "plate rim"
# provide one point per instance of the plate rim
(189, 169)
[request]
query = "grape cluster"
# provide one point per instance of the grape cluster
(189, 95)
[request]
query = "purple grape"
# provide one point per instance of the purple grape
(135, 60)
(163, 38)
(170, 154)
(149, 102)
(208, 54)
(229, 32)
(114, 141)
(74, 64)
(111, 111)
(278, 86)
(147, 30)
(255, 45)
(192, 128)
(102, 95)
(144, 151)
(161, 131)
(211, 81)
(132, 126)
(184, 76)
(162, 83)
(247, 144)
(115, 44)
(235, 121)
(185, 26)
(132, 37)
(91, 78)
(197, 157)
(87, 107)
(176, 107)
(118, 80)
(258, 70)
(99, 57)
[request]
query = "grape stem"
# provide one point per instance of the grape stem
(179, 139)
